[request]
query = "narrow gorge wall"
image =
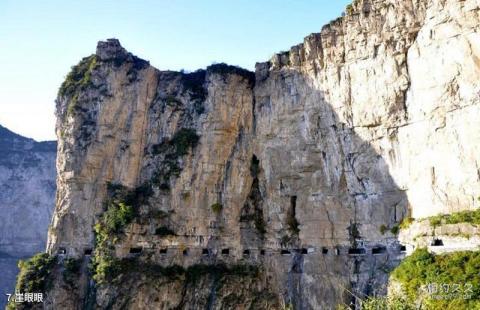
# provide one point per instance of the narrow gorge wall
(300, 171)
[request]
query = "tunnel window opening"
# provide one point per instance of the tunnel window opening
(285, 252)
(303, 251)
(87, 252)
(403, 248)
(246, 253)
(62, 251)
(437, 242)
(185, 252)
(337, 251)
(163, 251)
(135, 250)
(225, 252)
(379, 250)
(356, 251)
(262, 252)
(324, 250)
(205, 252)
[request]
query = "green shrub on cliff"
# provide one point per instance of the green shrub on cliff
(34, 273)
(472, 217)
(117, 216)
(183, 140)
(104, 266)
(216, 207)
(406, 222)
(383, 229)
(79, 76)
(112, 222)
(349, 9)
(395, 229)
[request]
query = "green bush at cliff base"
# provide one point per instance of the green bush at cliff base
(34, 273)
(423, 268)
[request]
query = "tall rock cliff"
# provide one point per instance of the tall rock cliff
(27, 198)
(227, 189)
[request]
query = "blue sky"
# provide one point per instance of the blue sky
(41, 40)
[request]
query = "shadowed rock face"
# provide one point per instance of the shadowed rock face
(27, 198)
(295, 171)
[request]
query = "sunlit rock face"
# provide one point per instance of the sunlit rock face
(302, 169)
(27, 199)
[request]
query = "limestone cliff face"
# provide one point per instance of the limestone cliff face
(293, 170)
(27, 198)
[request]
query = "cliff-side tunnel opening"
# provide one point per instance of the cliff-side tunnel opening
(136, 250)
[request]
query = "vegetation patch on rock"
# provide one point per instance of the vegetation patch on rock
(224, 69)
(216, 207)
(79, 76)
(472, 217)
(453, 275)
(120, 210)
(77, 80)
(34, 273)
(172, 150)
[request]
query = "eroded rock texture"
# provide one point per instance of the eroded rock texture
(299, 171)
(27, 199)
